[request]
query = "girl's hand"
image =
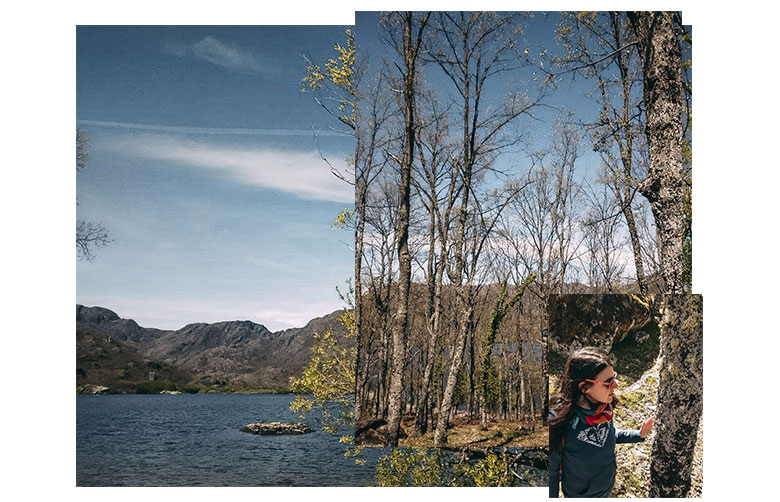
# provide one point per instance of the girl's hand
(646, 427)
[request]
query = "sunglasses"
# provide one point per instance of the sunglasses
(608, 382)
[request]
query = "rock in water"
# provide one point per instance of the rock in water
(91, 389)
(276, 428)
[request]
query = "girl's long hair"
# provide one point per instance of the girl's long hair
(583, 364)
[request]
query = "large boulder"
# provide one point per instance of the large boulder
(276, 428)
(602, 321)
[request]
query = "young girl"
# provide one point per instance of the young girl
(582, 435)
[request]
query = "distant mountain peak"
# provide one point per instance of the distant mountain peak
(240, 351)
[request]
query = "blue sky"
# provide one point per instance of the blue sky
(204, 167)
(538, 34)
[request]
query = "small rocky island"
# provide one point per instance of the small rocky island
(277, 428)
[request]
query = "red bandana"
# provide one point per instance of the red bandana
(602, 414)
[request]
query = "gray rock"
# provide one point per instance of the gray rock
(641, 336)
(91, 389)
(276, 428)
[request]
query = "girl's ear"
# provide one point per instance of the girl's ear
(583, 386)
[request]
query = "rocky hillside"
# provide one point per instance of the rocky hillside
(231, 355)
(106, 361)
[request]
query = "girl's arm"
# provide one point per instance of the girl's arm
(635, 436)
(629, 436)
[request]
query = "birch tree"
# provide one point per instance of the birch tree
(412, 28)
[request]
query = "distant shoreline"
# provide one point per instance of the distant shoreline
(105, 390)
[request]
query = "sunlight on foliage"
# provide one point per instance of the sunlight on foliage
(344, 219)
(493, 470)
(434, 467)
(327, 384)
(337, 82)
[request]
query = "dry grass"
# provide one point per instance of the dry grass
(466, 433)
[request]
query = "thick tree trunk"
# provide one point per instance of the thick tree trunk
(679, 396)
(661, 56)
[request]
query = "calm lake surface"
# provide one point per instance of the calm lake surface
(194, 440)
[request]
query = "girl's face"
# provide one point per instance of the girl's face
(602, 386)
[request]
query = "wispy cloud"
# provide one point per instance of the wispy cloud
(216, 52)
(220, 131)
(303, 174)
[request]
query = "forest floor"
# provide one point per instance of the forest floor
(465, 433)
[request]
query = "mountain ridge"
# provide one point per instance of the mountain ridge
(239, 354)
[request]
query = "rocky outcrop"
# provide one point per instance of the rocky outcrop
(104, 321)
(276, 428)
(91, 389)
(602, 321)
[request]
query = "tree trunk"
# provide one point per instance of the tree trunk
(410, 51)
(521, 405)
(446, 407)
(661, 56)
(679, 396)
(628, 213)
(360, 337)
(545, 367)
(433, 336)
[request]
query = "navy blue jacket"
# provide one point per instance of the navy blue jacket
(586, 467)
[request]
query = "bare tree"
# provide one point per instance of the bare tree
(413, 27)
(374, 111)
(434, 154)
(598, 45)
(601, 261)
(470, 48)
(89, 236)
(539, 231)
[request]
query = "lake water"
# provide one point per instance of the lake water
(194, 440)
